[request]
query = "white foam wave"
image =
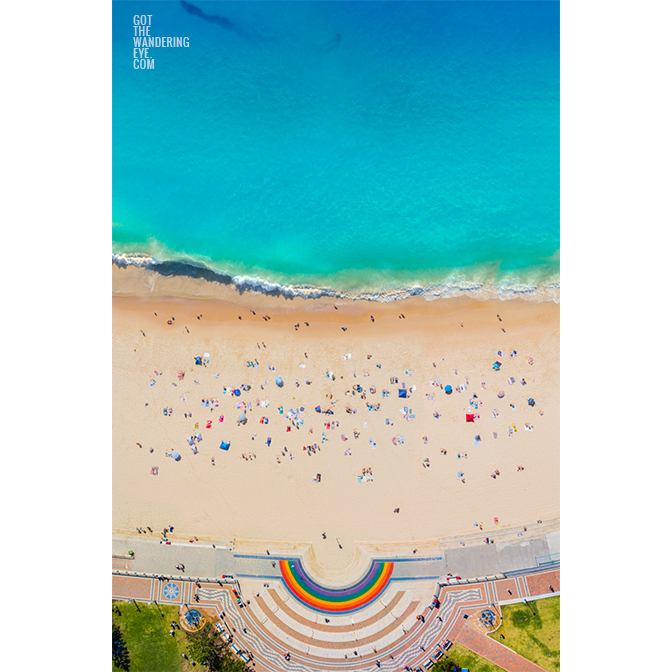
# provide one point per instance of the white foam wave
(448, 288)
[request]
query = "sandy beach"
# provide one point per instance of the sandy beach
(426, 461)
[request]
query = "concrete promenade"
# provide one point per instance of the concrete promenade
(508, 553)
(402, 629)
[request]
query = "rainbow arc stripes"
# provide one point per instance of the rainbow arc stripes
(340, 600)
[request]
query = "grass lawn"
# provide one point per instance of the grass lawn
(466, 659)
(533, 631)
(147, 638)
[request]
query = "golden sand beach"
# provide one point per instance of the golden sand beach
(425, 461)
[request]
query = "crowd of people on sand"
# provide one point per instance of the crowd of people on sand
(295, 419)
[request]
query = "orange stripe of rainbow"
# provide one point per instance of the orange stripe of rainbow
(330, 600)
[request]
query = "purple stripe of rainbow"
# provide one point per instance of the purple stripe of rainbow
(340, 600)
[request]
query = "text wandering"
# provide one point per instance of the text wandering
(143, 40)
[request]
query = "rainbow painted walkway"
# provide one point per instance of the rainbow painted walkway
(335, 601)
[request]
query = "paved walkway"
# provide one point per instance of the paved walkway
(268, 622)
(466, 635)
(476, 559)
(273, 623)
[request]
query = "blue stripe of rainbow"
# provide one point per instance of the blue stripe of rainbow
(340, 600)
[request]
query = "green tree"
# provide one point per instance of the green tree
(205, 646)
(446, 665)
(120, 656)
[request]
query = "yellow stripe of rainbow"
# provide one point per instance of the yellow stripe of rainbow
(330, 600)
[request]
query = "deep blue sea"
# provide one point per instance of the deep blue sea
(356, 146)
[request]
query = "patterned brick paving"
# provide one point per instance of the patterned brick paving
(411, 609)
(490, 649)
(413, 648)
(538, 584)
(522, 586)
(129, 587)
(502, 587)
(331, 628)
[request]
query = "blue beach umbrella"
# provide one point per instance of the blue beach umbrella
(225, 445)
(278, 381)
(176, 456)
(530, 401)
(236, 393)
(402, 394)
(448, 389)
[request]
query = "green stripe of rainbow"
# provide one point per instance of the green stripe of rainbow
(331, 600)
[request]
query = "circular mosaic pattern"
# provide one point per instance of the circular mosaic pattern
(193, 620)
(489, 620)
(171, 591)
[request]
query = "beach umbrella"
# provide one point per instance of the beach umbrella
(530, 401)
(496, 366)
(278, 381)
(225, 445)
(448, 389)
(198, 361)
(500, 394)
(402, 394)
(176, 456)
(242, 416)
(236, 393)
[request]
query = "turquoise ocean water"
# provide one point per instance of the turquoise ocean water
(375, 147)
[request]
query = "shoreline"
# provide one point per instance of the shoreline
(272, 497)
(198, 279)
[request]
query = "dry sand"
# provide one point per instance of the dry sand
(277, 501)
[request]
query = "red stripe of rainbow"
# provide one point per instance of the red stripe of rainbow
(331, 600)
